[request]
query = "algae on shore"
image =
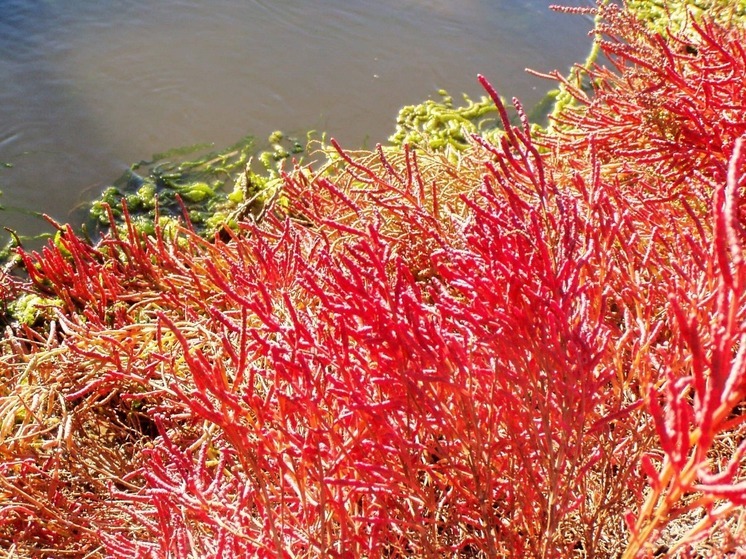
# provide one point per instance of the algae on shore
(205, 189)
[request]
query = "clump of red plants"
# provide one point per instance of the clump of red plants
(538, 350)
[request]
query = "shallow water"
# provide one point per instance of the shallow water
(88, 87)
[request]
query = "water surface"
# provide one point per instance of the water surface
(88, 87)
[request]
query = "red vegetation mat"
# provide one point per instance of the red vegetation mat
(537, 351)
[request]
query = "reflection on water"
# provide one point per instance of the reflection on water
(88, 87)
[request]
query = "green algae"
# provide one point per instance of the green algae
(676, 15)
(439, 125)
(30, 308)
(210, 189)
(170, 185)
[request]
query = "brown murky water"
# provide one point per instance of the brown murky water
(88, 87)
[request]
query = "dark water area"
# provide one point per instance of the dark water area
(88, 87)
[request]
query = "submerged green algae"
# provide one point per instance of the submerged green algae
(170, 185)
(206, 189)
(440, 125)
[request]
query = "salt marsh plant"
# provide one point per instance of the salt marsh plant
(532, 346)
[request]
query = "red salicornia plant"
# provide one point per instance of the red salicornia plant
(533, 349)
(667, 128)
